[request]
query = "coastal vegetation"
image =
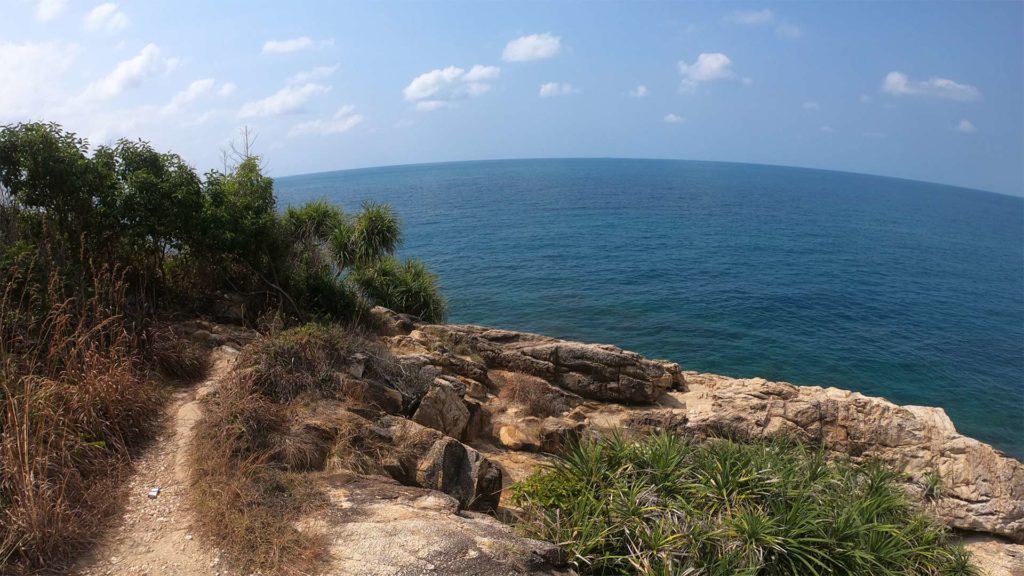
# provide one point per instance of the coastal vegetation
(663, 505)
(98, 247)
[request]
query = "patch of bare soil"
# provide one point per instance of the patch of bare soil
(153, 536)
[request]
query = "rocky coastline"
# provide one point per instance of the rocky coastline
(447, 453)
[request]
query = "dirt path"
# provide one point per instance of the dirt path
(153, 537)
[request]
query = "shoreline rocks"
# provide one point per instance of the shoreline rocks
(980, 488)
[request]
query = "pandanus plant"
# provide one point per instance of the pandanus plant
(359, 252)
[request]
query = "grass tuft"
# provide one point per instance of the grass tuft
(532, 395)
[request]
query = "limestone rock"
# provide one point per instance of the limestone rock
(479, 426)
(983, 489)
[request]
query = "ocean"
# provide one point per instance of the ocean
(907, 290)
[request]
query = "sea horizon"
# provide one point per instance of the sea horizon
(882, 264)
(1019, 195)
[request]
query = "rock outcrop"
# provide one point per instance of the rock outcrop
(981, 489)
(593, 371)
(377, 527)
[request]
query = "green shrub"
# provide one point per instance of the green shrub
(662, 505)
(406, 287)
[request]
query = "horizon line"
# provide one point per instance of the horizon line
(1019, 196)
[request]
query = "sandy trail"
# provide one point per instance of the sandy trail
(153, 537)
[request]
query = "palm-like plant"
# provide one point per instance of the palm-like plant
(664, 505)
(335, 256)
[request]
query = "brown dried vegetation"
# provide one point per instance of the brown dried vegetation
(75, 400)
(278, 420)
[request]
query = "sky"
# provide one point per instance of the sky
(930, 91)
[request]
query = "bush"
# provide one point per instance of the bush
(662, 505)
(405, 287)
(173, 356)
(312, 360)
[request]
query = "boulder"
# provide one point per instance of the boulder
(442, 409)
(429, 459)
(379, 528)
(551, 435)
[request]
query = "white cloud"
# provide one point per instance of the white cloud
(788, 30)
(753, 17)
(343, 120)
(49, 9)
(899, 84)
(828, 130)
(966, 127)
(430, 83)
(226, 89)
(479, 73)
(709, 67)
(286, 100)
(532, 47)
(640, 91)
(438, 88)
(672, 118)
(106, 17)
(318, 73)
(286, 46)
(556, 89)
(131, 73)
(32, 74)
(811, 105)
(188, 95)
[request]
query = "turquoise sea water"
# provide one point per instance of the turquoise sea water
(901, 289)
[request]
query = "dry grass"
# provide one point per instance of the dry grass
(245, 498)
(532, 395)
(175, 357)
(74, 401)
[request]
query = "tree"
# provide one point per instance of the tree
(159, 203)
(47, 172)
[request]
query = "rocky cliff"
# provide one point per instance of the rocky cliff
(507, 392)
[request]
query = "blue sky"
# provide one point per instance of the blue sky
(929, 91)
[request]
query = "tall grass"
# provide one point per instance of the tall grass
(74, 401)
(662, 505)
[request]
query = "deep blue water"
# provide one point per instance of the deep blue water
(901, 289)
